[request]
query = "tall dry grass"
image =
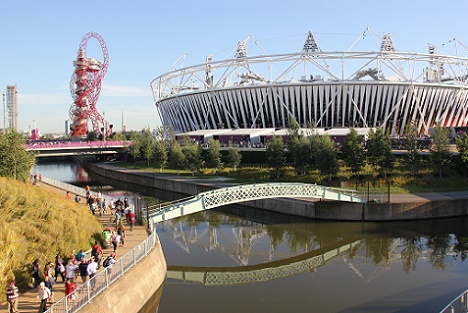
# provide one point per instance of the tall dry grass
(38, 224)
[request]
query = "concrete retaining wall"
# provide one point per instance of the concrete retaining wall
(136, 288)
(329, 210)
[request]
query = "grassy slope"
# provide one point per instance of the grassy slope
(38, 224)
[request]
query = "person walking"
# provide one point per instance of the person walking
(92, 270)
(43, 294)
(114, 240)
(109, 262)
(83, 267)
(70, 270)
(37, 273)
(49, 279)
(12, 295)
(96, 252)
(122, 233)
(59, 268)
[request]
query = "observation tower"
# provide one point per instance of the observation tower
(85, 86)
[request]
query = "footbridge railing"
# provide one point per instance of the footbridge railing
(229, 195)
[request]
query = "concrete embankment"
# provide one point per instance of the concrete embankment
(135, 289)
(401, 207)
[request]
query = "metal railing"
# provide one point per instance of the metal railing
(75, 190)
(458, 305)
(103, 279)
(82, 295)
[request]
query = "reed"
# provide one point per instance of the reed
(38, 224)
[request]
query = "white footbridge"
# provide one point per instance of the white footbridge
(230, 195)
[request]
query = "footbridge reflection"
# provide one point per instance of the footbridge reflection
(230, 195)
(224, 276)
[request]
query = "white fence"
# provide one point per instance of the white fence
(103, 279)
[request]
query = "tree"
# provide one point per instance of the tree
(354, 155)
(177, 157)
(135, 147)
(298, 146)
(213, 155)
(379, 154)
(462, 147)
(440, 149)
(413, 148)
(276, 156)
(147, 145)
(160, 154)
(91, 136)
(15, 161)
(233, 157)
(193, 156)
(327, 162)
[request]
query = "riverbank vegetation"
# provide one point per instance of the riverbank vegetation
(38, 224)
(376, 165)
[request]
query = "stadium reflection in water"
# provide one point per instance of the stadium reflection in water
(244, 260)
(238, 259)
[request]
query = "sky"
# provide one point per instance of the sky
(145, 38)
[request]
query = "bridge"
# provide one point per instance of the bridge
(230, 195)
(63, 148)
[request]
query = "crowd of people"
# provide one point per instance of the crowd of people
(86, 267)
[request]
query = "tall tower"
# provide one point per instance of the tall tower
(12, 107)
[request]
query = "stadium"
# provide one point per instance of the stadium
(331, 90)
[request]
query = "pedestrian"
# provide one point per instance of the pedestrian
(122, 233)
(96, 252)
(70, 270)
(83, 267)
(104, 206)
(12, 295)
(59, 268)
(49, 278)
(131, 219)
(114, 240)
(117, 218)
(36, 273)
(70, 286)
(80, 256)
(109, 262)
(92, 270)
(43, 294)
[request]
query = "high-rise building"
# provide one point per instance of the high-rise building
(12, 107)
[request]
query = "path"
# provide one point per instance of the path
(29, 303)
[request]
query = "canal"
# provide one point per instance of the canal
(237, 259)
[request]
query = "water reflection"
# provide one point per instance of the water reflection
(264, 251)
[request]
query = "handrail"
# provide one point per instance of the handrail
(103, 279)
(458, 305)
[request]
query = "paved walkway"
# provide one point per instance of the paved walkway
(29, 303)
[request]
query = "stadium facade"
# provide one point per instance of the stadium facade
(383, 88)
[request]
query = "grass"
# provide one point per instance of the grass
(38, 224)
(402, 180)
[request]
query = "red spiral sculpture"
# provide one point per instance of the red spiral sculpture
(85, 86)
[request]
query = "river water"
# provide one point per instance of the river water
(237, 259)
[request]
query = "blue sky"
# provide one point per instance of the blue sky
(144, 38)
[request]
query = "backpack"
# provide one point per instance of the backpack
(106, 262)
